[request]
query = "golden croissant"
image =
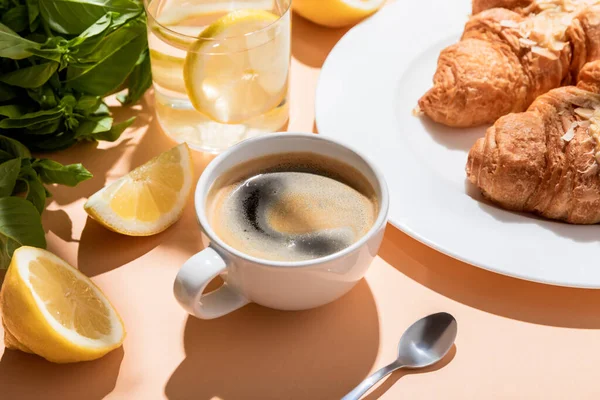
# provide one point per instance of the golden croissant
(511, 52)
(546, 160)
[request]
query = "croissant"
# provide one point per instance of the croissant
(546, 160)
(509, 55)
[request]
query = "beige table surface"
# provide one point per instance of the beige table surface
(516, 340)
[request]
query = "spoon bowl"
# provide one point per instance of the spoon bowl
(427, 341)
(424, 343)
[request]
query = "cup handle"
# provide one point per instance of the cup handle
(192, 279)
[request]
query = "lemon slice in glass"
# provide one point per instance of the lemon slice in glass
(147, 200)
(238, 67)
(51, 309)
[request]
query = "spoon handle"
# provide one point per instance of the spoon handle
(365, 385)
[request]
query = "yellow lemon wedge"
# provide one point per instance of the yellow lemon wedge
(237, 69)
(51, 309)
(336, 13)
(147, 200)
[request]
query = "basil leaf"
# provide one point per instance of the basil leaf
(7, 92)
(139, 80)
(14, 46)
(115, 132)
(97, 28)
(52, 172)
(86, 104)
(30, 77)
(107, 75)
(45, 127)
(102, 109)
(9, 171)
(11, 111)
(14, 147)
(94, 125)
(57, 141)
(4, 156)
(75, 16)
(36, 193)
(17, 18)
(33, 11)
(48, 54)
(28, 119)
(44, 96)
(20, 225)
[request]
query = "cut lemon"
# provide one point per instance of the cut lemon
(237, 69)
(51, 309)
(147, 200)
(336, 13)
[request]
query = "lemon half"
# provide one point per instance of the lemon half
(336, 13)
(51, 309)
(147, 200)
(237, 69)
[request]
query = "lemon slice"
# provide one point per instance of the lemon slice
(147, 200)
(238, 70)
(166, 71)
(336, 13)
(51, 309)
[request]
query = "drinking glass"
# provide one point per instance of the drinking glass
(219, 68)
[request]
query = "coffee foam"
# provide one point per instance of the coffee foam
(292, 207)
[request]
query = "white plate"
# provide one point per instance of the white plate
(369, 84)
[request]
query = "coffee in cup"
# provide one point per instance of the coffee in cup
(292, 206)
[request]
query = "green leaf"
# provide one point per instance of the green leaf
(106, 76)
(75, 16)
(16, 18)
(9, 171)
(102, 109)
(45, 127)
(20, 225)
(139, 80)
(52, 172)
(93, 125)
(33, 11)
(30, 77)
(44, 96)
(87, 104)
(97, 28)
(14, 147)
(5, 156)
(14, 46)
(7, 92)
(36, 194)
(11, 111)
(115, 132)
(55, 54)
(29, 119)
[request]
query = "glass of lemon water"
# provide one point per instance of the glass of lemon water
(219, 68)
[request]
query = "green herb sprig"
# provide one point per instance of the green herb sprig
(58, 60)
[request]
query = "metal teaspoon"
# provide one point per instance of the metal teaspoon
(423, 344)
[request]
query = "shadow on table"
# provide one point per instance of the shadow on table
(25, 376)
(264, 354)
(312, 43)
(94, 259)
(396, 376)
(490, 292)
(58, 222)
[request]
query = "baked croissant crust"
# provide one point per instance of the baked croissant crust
(546, 160)
(508, 56)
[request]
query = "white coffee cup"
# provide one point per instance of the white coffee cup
(291, 285)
